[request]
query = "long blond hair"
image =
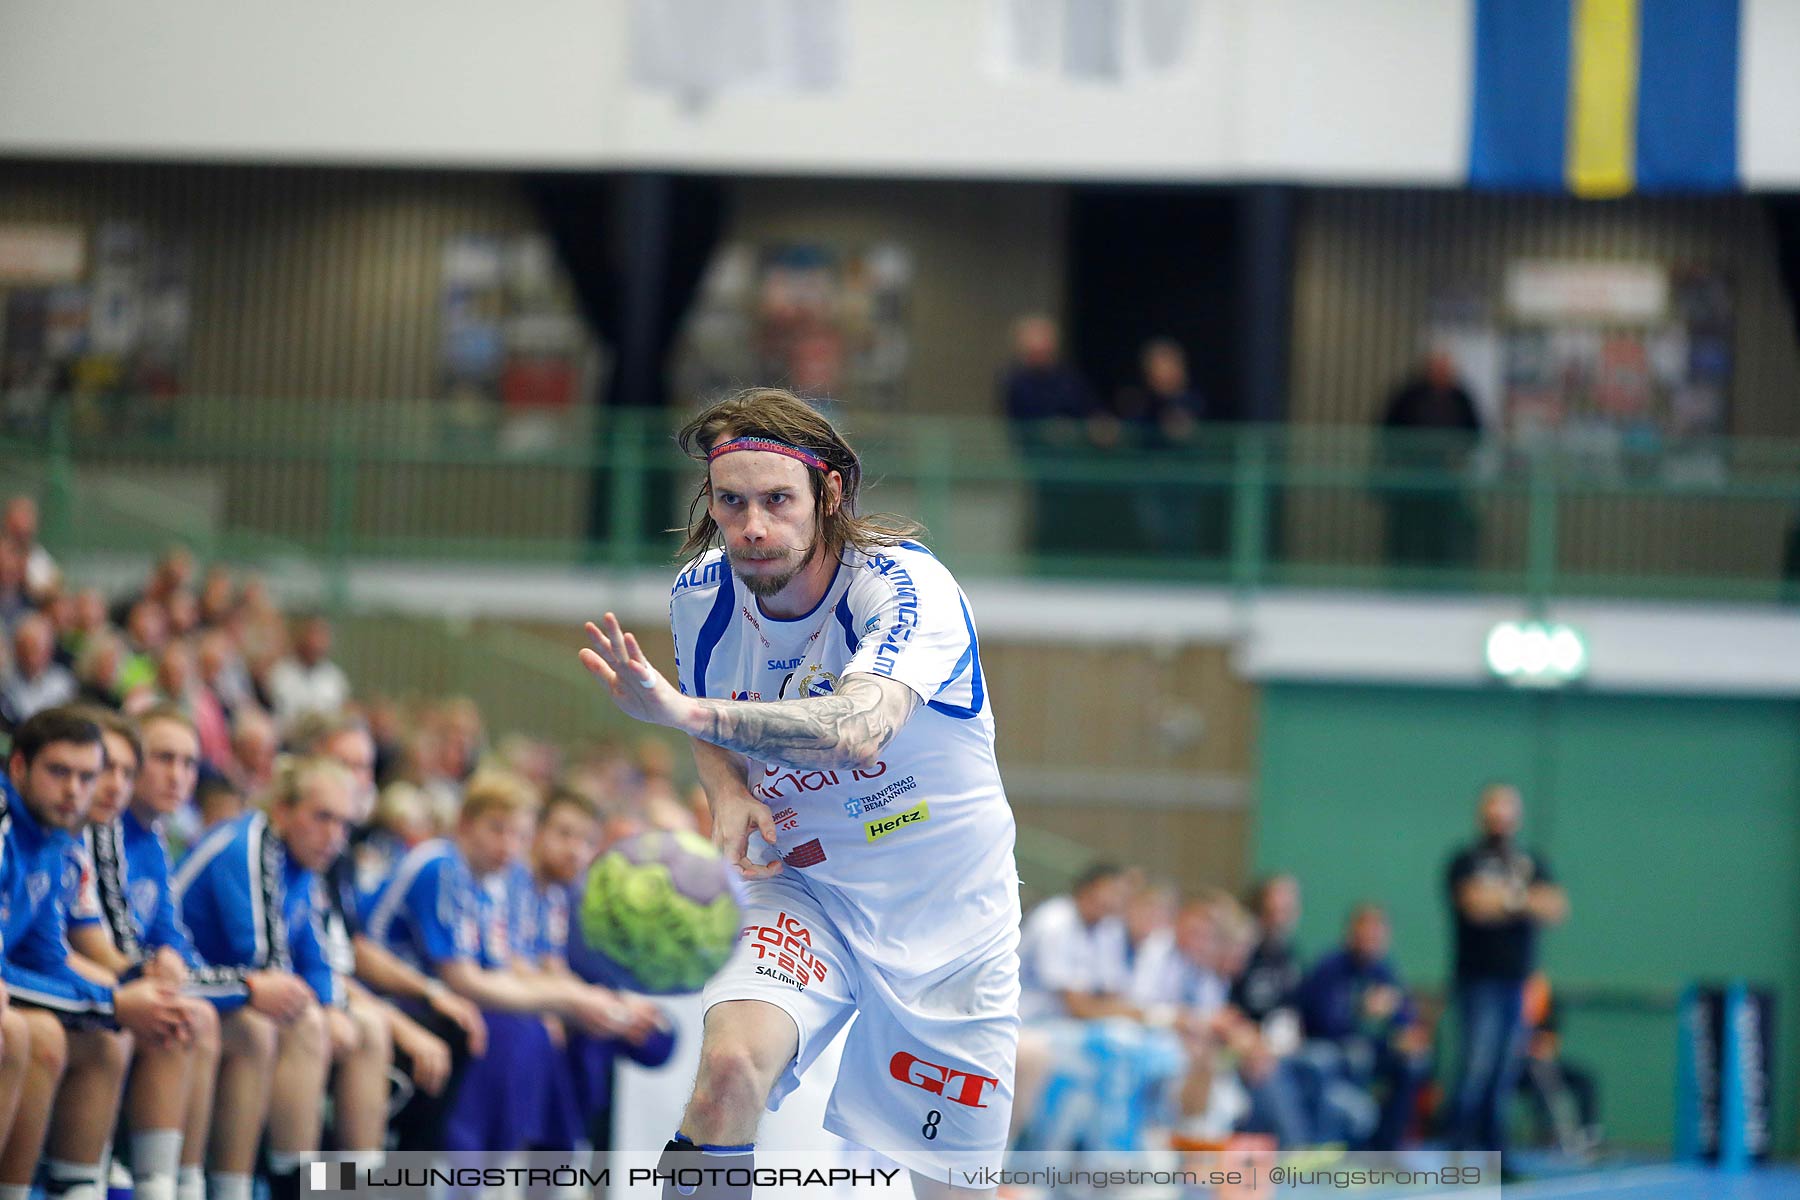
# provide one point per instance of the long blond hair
(785, 417)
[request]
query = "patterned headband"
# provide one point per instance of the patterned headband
(771, 446)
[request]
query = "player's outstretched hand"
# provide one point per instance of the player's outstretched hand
(638, 688)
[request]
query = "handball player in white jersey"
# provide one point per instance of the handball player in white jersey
(828, 675)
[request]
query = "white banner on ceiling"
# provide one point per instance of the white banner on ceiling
(700, 48)
(1091, 41)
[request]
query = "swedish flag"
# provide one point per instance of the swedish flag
(1605, 97)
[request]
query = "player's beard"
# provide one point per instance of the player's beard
(765, 586)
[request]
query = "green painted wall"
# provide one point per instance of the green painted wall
(1674, 824)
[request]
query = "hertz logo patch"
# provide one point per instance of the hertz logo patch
(878, 829)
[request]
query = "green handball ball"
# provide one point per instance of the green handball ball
(665, 908)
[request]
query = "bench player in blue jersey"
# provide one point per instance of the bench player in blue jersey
(123, 920)
(564, 845)
(445, 911)
(828, 674)
(249, 894)
(75, 1023)
(371, 1034)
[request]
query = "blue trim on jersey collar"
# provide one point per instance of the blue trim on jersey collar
(766, 615)
(851, 639)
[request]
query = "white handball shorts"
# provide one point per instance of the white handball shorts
(927, 1070)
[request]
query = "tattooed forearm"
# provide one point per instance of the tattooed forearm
(849, 729)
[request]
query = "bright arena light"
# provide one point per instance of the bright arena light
(1535, 654)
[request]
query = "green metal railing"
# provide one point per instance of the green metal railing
(1247, 507)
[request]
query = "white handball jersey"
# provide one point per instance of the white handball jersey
(913, 857)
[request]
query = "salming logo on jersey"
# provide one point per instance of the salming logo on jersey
(883, 826)
(906, 614)
(700, 574)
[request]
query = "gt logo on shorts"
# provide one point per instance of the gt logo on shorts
(958, 1087)
(881, 827)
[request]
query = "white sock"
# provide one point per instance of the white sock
(155, 1154)
(15, 1191)
(286, 1162)
(223, 1185)
(190, 1184)
(153, 1187)
(71, 1180)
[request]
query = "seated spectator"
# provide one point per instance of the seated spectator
(146, 633)
(212, 716)
(59, 606)
(221, 671)
(248, 892)
(218, 800)
(254, 746)
(14, 603)
(35, 681)
(1564, 1096)
(218, 596)
(1072, 952)
(1236, 1082)
(173, 572)
(1353, 1005)
(308, 681)
(98, 668)
(1264, 991)
(19, 530)
(90, 620)
(1086, 1064)
(1149, 918)
(183, 611)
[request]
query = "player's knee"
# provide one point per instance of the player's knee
(731, 1082)
(307, 1034)
(248, 1035)
(15, 1042)
(375, 1042)
(102, 1051)
(203, 1022)
(48, 1044)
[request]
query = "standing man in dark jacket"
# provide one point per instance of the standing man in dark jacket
(1050, 410)
(1500, 895)
(1430, 424)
